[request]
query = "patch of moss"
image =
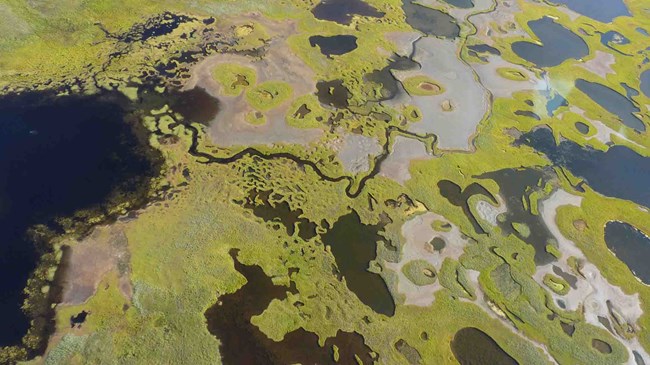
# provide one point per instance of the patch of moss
(412, 113)
(522, 229)
(441, 226)
(307, 112)
(511, 74)
(420, 272)
(268, 95)
(556, 284)
(553, 250)
(422, 85)
(256, 118)
(234, 78)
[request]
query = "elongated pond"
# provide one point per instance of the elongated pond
(631, 246)
(602, 10)
(354, 245)
(620, 172)
(613, 102)
(472, 346)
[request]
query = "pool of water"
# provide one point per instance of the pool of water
(613, 37)
(463, 4)
(630, 92)
(390, 86)
(527, 113)
(554, 100)
(243, 343)
(620, 172)
(602, 10)
(582, 127)
(631, 246)
(334, 45)
(558, 44)
(458, 197)
(613, 102)
(515, 185)
(196, 105)
(258, 202)
(472, 346)
(484, 48)
(354, 245)
(645, 82)
(430, 21)
(333, 93)
(342, 11)
(57, 155)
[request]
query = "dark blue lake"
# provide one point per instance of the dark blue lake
(57, 156)
(558, 44)
(602, 10)
(620, 172)
(613, 102)
(631, 246)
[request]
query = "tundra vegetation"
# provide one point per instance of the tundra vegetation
(421, 262)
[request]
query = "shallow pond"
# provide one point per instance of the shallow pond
(333, 93)
(342, 11)
(554, 100)
(613, 102)
(335, 45)
(515, 186)
(472, 346)
(620, 172)
(463, 4)
(630, 92)
(57, 156)
(354, 245)
(602, 10)
(613, 37)
(390, 86)
(645, 82)
(258, 202)
(244, 343)
(630, 246)
(484, 48)
(558, 44)
(430, 21)
(458, 197)
(582, 127)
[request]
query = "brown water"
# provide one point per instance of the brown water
(242, 343)
(472, 346)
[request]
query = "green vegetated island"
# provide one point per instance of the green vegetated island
(345, 181)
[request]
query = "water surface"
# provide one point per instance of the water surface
(57, 156)
(602, 10)
(342, 11)
(645, 82)
(630, 246)
(515, 186)
(472, 346)
(334, 45)
(463, 4)
(241, 342)
(430, 21)
(354, 245)
(613, 102)
(620, 172)
(558, 44)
